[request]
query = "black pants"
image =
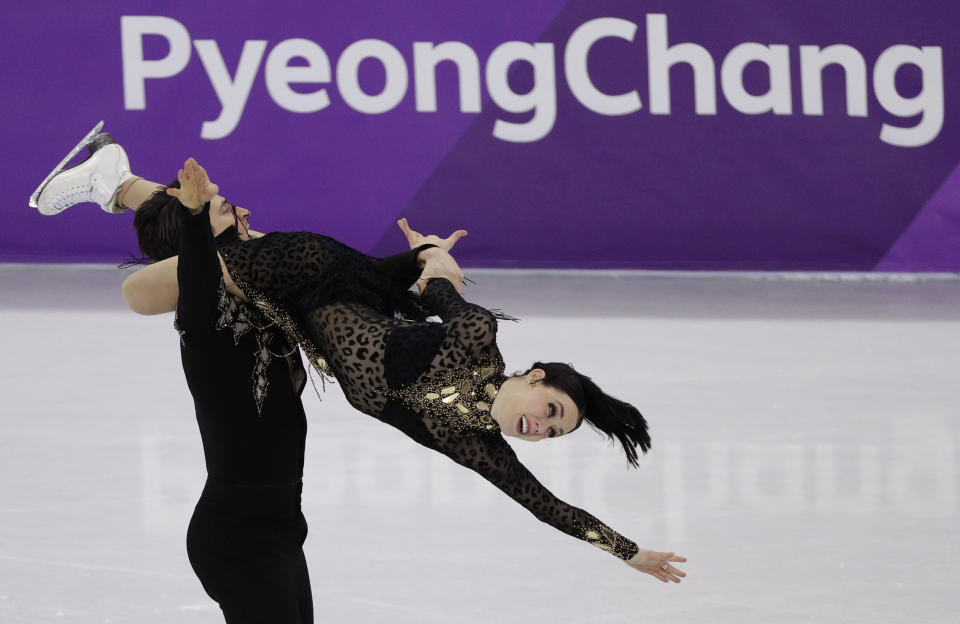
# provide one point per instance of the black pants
(245, 543)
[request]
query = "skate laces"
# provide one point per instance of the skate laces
(73, 195)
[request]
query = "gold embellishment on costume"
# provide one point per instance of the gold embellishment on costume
(240, 319)
(608, 540)
(284, 321)
(459, 405)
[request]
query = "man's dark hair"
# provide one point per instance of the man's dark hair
(158, 222)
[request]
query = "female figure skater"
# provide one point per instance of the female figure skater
(442, 384)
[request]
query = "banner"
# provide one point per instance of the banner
(642, 134)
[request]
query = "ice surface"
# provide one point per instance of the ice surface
(805, 459)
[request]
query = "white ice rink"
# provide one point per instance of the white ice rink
(806, 442)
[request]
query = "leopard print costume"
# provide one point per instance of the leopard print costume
(434, 381)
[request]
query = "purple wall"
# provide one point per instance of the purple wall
(768, 163)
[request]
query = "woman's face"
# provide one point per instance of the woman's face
(529, 410)
(222, 217)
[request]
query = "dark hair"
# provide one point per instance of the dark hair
(158, 222)
(611, 416)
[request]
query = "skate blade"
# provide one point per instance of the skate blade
(35, 198)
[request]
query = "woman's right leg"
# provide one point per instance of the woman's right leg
(104, 178)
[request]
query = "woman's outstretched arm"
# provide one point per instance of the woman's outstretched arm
(489, 455)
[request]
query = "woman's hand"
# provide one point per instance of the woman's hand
(439, 264)
(415, 239)
(657, 565)
(196, 189)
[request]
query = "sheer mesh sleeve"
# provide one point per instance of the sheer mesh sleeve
(471, 330)
(403, 269)
(442, 299)
(282, 263)
(489, 455)
(279, 262)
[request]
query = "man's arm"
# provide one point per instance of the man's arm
(153, 289)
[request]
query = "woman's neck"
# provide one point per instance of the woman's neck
(507, 388)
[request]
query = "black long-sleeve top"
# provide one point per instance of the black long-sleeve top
(433, 381)
(245, 377)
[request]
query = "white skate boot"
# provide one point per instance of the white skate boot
(97, 179)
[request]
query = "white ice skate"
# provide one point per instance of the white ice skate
(97, 179)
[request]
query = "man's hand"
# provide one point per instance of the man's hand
(196, 189)
(415, 239)
(439, 264)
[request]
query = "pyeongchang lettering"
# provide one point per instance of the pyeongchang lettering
(922, 112)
